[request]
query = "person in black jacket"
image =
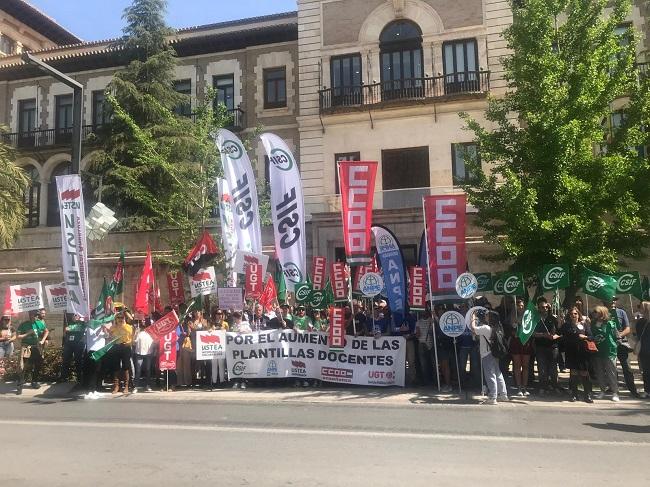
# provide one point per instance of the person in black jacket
(643, 335)
(546, 347)
(575, 335)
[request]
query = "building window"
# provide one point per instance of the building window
(225, 91)
(26, 122)
(347, 156)
(184, 87)
(63, 121)
(53, 212)
(624, 34)
(7, 45)
(405, 177)
(345, 74)
(101, 109)
(460, 155)
(32, 198)
(275, 88)
(401, 60)
(460, 62)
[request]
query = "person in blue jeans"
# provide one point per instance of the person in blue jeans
(483, 325)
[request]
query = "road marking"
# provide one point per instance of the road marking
(320, 432)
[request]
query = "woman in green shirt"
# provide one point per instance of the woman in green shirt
(605, 334)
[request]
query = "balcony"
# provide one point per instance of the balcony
(405, 91)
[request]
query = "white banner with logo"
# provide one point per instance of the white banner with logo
(287, 207)
(210, 344)
(203, 282)
(57, 297)
(73, 244)
(288, 353)
(242, 259)
(26, 297)
(241, 182)
(228, 233)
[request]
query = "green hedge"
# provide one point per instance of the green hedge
(53, 358)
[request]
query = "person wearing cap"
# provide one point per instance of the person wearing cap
(624, 348)
(32, 333)
(283, 319)
(301, 321)
(7, 337)
(73, 348)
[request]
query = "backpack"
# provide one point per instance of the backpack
(497, 342)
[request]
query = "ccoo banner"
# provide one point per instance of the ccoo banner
(243, 191)
(357, 183)
(392, 268)
(339, 282)
(287, 208)
(318, 273)
(444, 222)
(417, 294)
(73, 243)
(57, 297)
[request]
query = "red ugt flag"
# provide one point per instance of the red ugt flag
(269, 297)
(146, 282)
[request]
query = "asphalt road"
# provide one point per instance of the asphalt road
(117, 441)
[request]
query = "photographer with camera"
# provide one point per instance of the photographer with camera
(486, 325)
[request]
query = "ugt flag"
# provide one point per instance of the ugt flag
(287, 207)
(601, 286)
(203, 252)
(357, 183)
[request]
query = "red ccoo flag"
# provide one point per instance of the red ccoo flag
(146, 282)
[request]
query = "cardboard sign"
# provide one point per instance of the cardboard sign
(203, 282)
(231, 298)
(210, 344)
(26, 297)
(57, 297)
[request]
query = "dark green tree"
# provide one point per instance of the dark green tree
(13, 184)
(562, 184)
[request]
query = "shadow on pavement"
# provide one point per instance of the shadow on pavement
(627, 428)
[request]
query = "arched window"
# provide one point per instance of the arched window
(32, 198)
(53, 215)
(402, 75)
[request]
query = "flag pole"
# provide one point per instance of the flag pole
(460, 389)
(426, 243)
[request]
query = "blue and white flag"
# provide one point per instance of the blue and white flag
(392, 268)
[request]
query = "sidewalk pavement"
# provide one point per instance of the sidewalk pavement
(390, 397)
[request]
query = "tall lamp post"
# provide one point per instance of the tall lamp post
(77, 114)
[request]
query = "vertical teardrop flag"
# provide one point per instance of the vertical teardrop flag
(227, 218)
(239, 174)
(357, 183)
(287, 208)
(392, 267)
(145, 283)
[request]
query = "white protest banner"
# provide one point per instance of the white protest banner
(287, 353)
(231, 298)
(210, 344)
(26, 297)
(287, 208)
(227, 216)
(242, 259)
(239, 173)
(203, 282)
(57, 297)
(73, 243)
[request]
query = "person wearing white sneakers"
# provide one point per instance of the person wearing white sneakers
(605, 334)
(486, 326)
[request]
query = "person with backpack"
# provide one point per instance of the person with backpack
(488, 328)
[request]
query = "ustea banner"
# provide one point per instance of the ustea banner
(73, 243)
(57, 297)
(287, 208)
(285, 353)
(203, 282)
(26, 297)
(357, 183)
(444, 221)
(239, 174)
(210, 344)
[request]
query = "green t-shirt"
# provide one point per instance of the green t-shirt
(32, 339)
(301, 323)
(605, 338)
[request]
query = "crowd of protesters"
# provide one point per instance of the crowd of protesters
(587, 344)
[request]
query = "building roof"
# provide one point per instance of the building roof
(37, 20)
(191, 41)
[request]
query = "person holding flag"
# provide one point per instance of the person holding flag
(73, 347)
(546, 347)
(605, 334)
(32, 334)
(520, 350)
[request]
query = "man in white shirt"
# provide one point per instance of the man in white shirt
(482, 325)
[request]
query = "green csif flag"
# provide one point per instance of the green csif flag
(497, 284)
(104, 303)
(510, 283)
(99, 354)
(629, 283)
(303, 292)
(484, 280)
(601, 286)
(528, 322)
(281, 286)
(554, 276)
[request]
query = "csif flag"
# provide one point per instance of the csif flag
(554, 276)
(629, 283)
(484, 280)
(104, 302)
(228, 233)
(203, 252)
(357, 183)
(601, 286)
(645, 286)
(528, 322)
(513, 284)
(144, 284)
(287, 208)
(238, 172)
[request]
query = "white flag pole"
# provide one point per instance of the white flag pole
(435, 342)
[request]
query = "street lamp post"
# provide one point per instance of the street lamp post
(77, 115)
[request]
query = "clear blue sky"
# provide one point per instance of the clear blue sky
(102, 19)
